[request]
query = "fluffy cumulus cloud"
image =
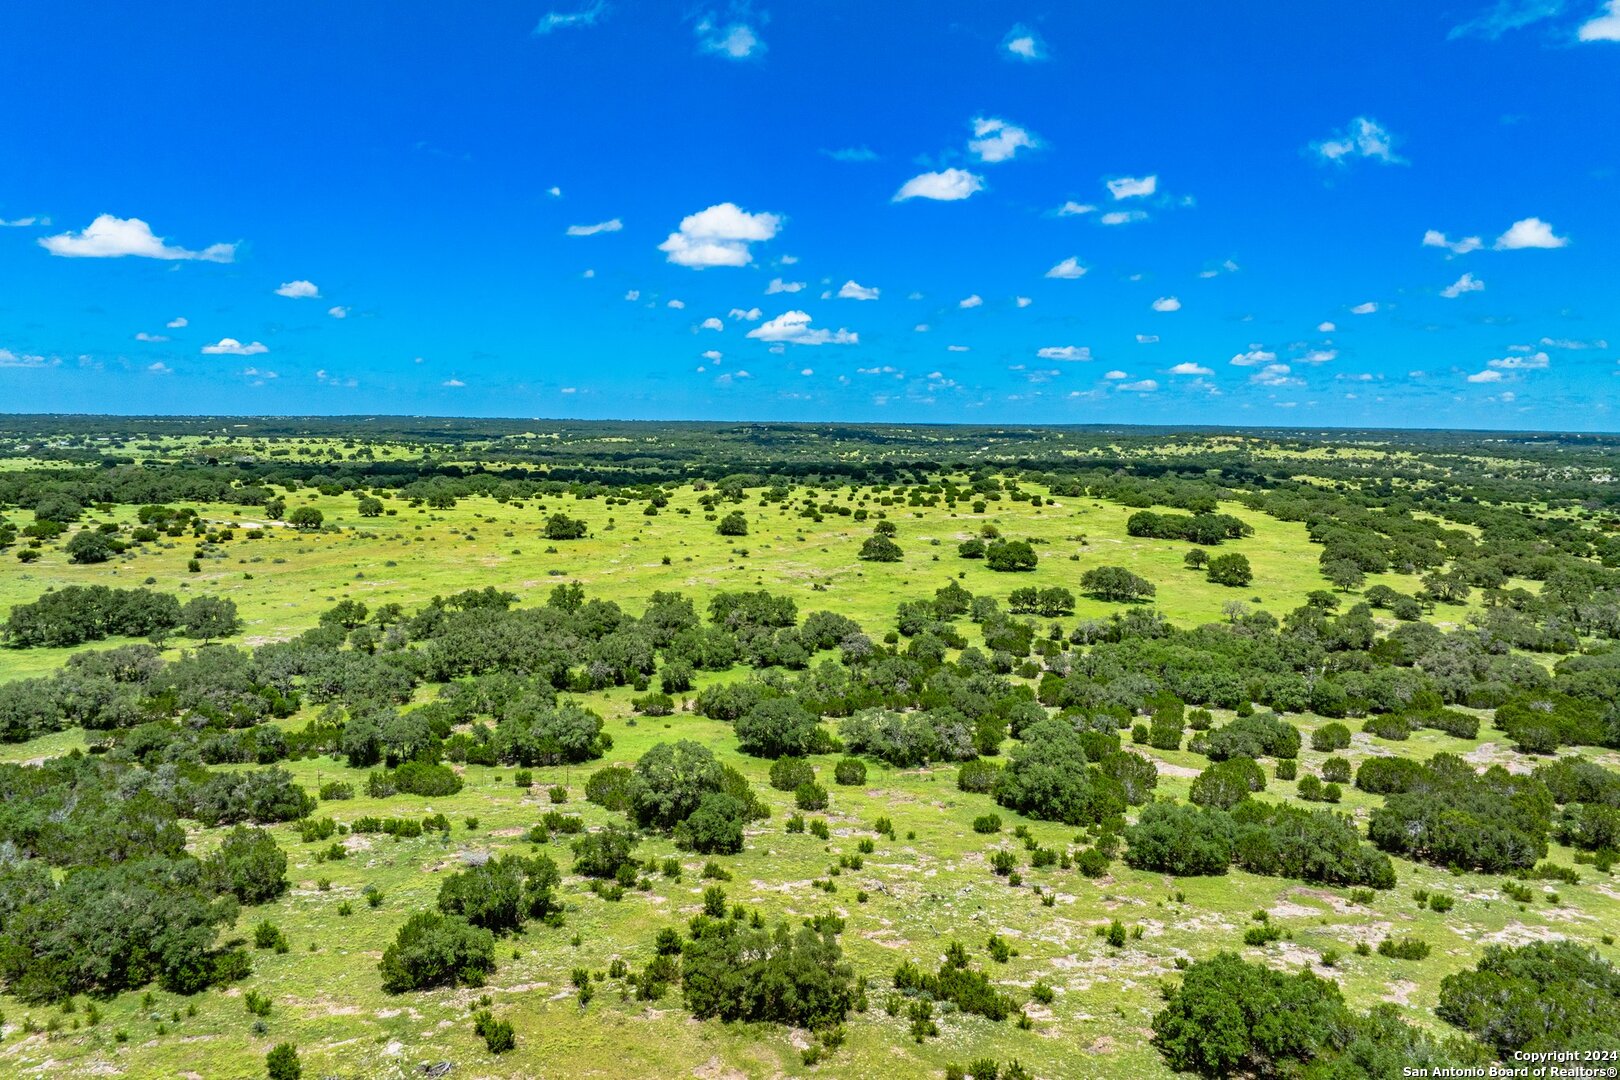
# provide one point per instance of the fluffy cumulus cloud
(719, 236)
(1123, 217)
(711, 323)
(777, 285)
(109, 237)
(1075, 209)
(1275, 375)
(1190, 368)
(1167, 303)
(1326, 327)
(1144, 386)
(1466, 284)
(745, 314)
(565, 20)
(970, 301)
(1115, 374)
(1365, 309)
(1253, 356)
(1489, 375)
(852, 290)
(793, 328)
(1023, 44)
(338, 311)
(1437, 239)
(1065, 352)
(1530, 232)
(298, 290)
(1319, 356)
(610, 225)
(996, 140)
(151, 338)
(1604, 27)
(947, 185)
(231, 347)
(1520, 362)
(734, 38)
(178, 323)
(9, 359)
(1364, 139)
(1132, 187)
(1067, 270)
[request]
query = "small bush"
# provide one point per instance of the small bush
(810, 796)
(850, 771)
(987, 823)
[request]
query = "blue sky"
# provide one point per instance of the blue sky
(1397, 214)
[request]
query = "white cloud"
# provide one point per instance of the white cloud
(676, 305)
(554, 191)
(565, 20)
(1255, 355)
(9, 359)
(1364, 138)
(574, 390)
(713, 355)
(807, 371)
(719, 236)
(632, 294)
(338, 311)
(1115, 374)
(733, 40)
(949, 185)
(1326, 327)
(298, 290)
(255, 373)
(1145, 386)
(610, 225)
(1365, 309)
(1530, 232)
(231, 347)
(1065, 352)
(851, 290)
(956, 348)
(1466, 284)
(852, 154)
(920, 328)
(777, 285)
(158, 367)
(1124, 217)
(750, 315)
(1538, 362)
(996, 140)
(23, 222)
(711, 323)
(453, 383)
(111, 237)
(177, 323)
(1570, 343)
(1023, 44)
(1147, 339)
(793, 328)
(1605, 27)
(1275, 375)
(1131, 187)
(588, 274)
(1190, 368)
(1436, 238)
(1074, 209)
(1067, 270)
(154, 338)
(1167, 303)
(1023, 301)
(1320, 356)
(1486, 376)
(971, 301)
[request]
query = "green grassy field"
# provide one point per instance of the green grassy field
(928, 886)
